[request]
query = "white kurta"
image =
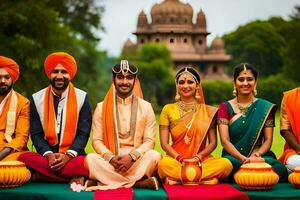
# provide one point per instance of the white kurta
(142, 142)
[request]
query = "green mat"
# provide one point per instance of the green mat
(55, 191)
(279, 191)
(37, 191)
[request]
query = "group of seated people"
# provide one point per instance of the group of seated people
(59, 120)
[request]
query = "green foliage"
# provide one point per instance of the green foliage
(83, 16)
(30, 30)
(216, 92)
(272, 87)
(155, 64)
(257, 43)
(292, 53)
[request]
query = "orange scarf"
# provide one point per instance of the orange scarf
(50, 118)
(292, 103)
(202, 120)
(109, 136)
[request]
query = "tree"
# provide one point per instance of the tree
(83, 16)
(30, 30)
(155, 63)
(292, 52)
(257, 43)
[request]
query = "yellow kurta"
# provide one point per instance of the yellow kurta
(169, 167)
(141, 144)
(21, 134)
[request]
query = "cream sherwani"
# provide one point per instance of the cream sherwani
(140, 143)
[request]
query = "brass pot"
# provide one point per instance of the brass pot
(13, 174)
(191, 172)
(294, 178)
(256, 176)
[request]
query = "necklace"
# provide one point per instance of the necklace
(244, 109)
(183, 109)
(186, 107)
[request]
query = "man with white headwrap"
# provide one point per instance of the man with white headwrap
(123, 136)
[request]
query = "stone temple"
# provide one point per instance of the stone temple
(171, 24)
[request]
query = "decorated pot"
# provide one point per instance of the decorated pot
(191, 172)
(256, 176)
(13, 174)
(294, 178)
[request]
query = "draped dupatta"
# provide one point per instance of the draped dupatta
(202, 119)
(110, 138)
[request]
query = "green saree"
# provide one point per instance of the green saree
(246, 134)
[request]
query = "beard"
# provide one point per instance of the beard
(5, 89)
(57, 86)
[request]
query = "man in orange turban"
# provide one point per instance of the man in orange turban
(14, 113)
(60, 123)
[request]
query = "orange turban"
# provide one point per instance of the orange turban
(66, 60)
(11, 67)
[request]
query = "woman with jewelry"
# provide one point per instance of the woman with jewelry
(192, 128)
(246, 124)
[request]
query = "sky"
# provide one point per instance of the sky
(222, 16)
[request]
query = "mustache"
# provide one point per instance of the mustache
(3, 84)
(59, 79)
(122, 84)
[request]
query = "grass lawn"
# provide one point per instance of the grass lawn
(277, 147)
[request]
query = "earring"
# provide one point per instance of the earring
(255, 91)
(234, 91)
(177, 96)
(197, 96)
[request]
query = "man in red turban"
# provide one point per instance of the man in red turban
(60, 123)
(14, 113)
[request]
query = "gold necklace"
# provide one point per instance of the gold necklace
(244, 109)
(183, 109)
(186, 107)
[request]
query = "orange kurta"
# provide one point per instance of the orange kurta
(290, 119)
(20, 136)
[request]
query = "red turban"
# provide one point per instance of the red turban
(11, 67)
(66, 60)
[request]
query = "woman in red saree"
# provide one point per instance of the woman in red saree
(191, 125)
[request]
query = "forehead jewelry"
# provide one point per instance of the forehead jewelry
(124, 66)
(245, 68)
(187, 72)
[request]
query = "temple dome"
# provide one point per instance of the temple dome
(172, 11)
(142, 19)
(217, 43)
(201, 19)
(128, 44)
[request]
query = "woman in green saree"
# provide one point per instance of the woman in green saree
(246, 124)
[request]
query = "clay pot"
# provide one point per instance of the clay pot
(256, 176)
(191, 172)
(294, 178)
(13, 174)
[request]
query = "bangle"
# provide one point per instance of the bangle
(179, 158)
(198, 158)
(70, 155)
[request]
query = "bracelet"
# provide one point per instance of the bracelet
(70, 155)
(179, 158)
(198, 158)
